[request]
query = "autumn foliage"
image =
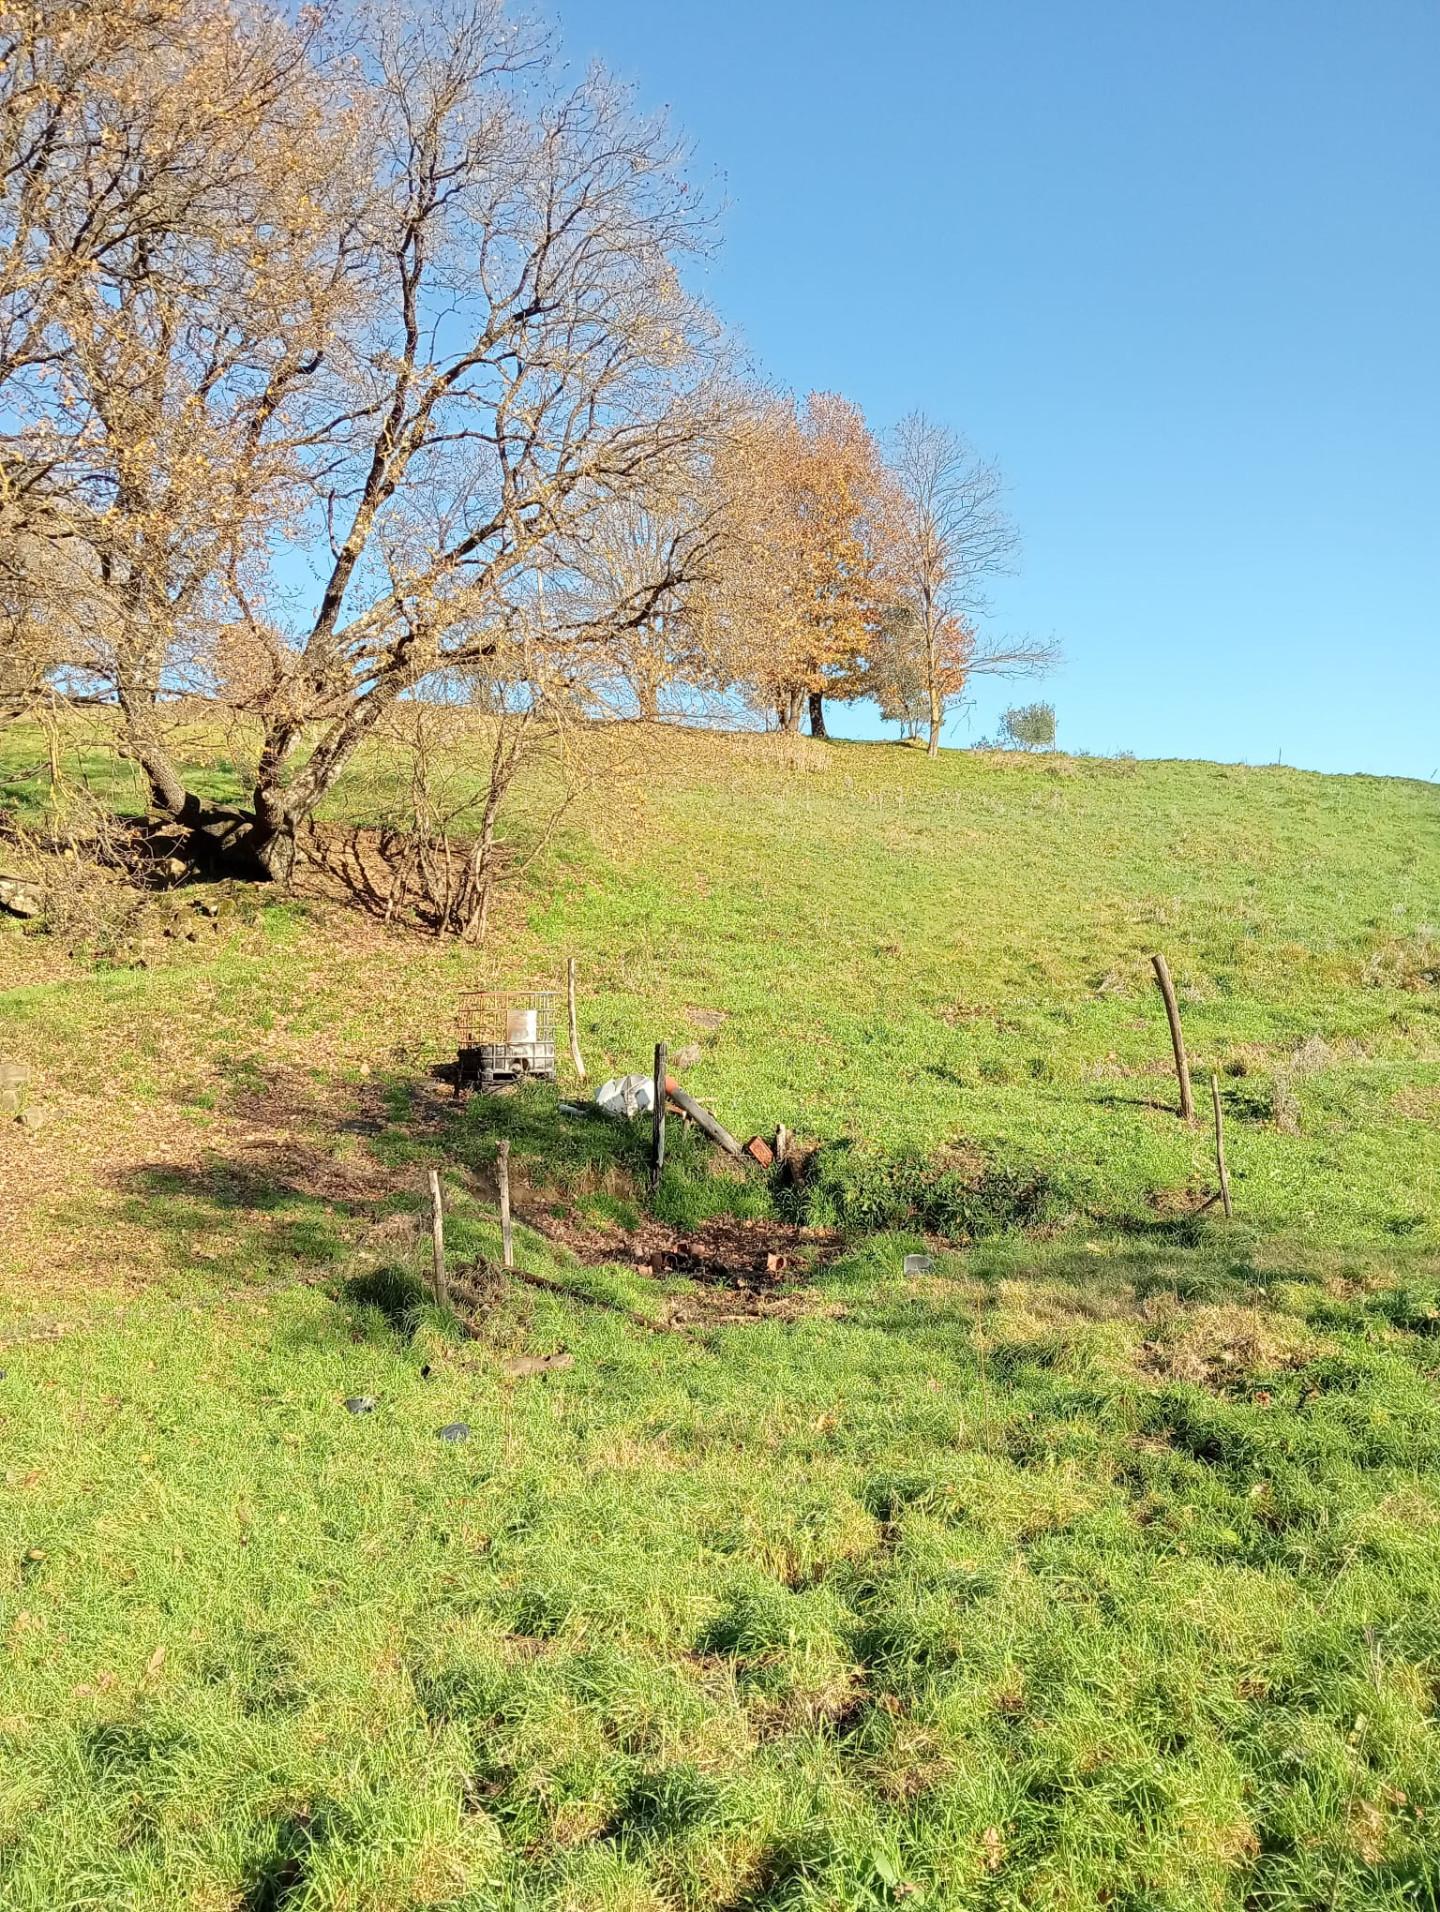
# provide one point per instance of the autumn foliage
(811, 522)
(348, 356)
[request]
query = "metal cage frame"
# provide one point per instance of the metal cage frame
(494, 1048)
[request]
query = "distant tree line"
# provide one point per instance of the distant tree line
(346, 356)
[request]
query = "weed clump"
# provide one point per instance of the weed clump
(1406, 962)
(863, 1191)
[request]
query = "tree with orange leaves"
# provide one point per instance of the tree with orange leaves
(811, 513)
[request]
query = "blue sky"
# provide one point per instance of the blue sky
(1177, 267)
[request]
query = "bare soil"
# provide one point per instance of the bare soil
(724, 1252)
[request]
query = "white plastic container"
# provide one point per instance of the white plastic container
(520, 1025)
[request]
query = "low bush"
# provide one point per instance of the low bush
(864, 1192)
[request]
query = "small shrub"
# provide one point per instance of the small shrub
(1029, 727)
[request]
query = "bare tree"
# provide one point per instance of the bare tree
(177, 223)
(954, 536)
(678, 534)
(468, 339)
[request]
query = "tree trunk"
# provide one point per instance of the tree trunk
(789, 708)
(239, 843)
(255, 844)
(932, 684)
(817, 714)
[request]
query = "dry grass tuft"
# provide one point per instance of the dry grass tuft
(1220, 1347)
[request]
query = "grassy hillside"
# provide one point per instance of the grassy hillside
(1096, 1567)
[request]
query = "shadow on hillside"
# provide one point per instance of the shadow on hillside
(531, 1120)
(305, 1169)
(1113, 1099)
(230, 1221)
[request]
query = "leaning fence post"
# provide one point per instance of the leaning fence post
(1177, 1039)
(577, 1062)
(1220, 1145)
(657, 1150)
(437, 1240)
(502, 1182)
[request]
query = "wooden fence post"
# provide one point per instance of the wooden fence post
(502, 1180)
(437, 1240)
(657, 1150)
(1177, 1038)
(1220, 1145)
(577, 1062)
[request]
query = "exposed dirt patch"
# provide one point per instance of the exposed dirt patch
(724, 1252)
(714, 1307)
(707, 1019)
(1187, 1200)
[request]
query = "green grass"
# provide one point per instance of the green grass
(1096, 1568)
(962, 1591)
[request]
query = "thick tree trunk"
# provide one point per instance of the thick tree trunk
(817, 714)
(232, 842)
(788, 710)
(256, 844)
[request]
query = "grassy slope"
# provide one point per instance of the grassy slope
(1094, 1570)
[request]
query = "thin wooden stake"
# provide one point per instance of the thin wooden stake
(1177, 1038)
(1220, 1145)
(437, 1240)
(577, 1061)
(502, 1182)
(657, 1149)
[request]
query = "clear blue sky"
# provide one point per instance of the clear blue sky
(1176, 266)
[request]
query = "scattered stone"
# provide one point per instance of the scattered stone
(919, 1264)
(759, 1150)
(18, 897)
(33, 1116)
(361, 1404)
(687, 1057)
(455, 1431)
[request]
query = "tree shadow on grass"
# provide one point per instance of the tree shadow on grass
(1111, 1099)
(235, 1221)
